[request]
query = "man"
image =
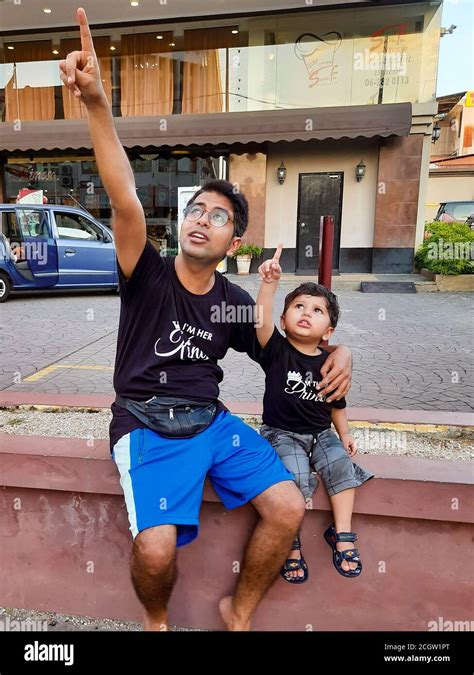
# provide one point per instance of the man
(170, 340)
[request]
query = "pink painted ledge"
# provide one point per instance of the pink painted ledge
(404, 487)
(73, 513)
(375, 415)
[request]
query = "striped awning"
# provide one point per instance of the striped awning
(223, 129)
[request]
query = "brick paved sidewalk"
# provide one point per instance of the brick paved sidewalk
(411, 352)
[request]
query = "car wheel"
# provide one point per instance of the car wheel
(5, 287)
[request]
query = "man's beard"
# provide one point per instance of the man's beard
(206, 257)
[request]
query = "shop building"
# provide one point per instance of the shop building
(311, 109)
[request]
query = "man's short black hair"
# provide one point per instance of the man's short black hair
(239, 202)
(310, 288)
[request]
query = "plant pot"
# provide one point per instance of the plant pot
(243, 264)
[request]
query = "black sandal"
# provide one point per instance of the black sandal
(338, 557)
(293, 565)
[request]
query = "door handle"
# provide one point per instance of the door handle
(70, 251)
(303, 224)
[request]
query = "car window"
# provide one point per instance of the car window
(10, 233)
(460, 211)
(10, 227)
(75, 226)
(32, 223)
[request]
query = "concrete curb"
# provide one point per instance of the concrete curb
(374, 415)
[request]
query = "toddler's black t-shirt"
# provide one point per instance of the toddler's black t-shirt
(291, 400)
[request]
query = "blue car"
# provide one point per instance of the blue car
(47, 247)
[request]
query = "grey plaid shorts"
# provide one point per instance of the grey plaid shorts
(323, 454)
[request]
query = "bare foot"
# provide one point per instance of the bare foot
(155, 623)
(230, 618)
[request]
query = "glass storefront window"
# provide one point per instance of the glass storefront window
(366, 55)
(357, 56)
(76, 182)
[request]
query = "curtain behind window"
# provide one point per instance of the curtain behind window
(73, 107)
(203, 90)
(27, 102)
(146, 77)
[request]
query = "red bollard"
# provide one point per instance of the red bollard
(326, 240)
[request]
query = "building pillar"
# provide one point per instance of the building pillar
(248, 172)
(422, 199)
(396, 206)
(3, 161)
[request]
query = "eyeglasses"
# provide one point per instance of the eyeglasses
(217, 216)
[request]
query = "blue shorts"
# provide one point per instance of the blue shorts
(163, 478)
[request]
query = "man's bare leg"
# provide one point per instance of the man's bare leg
(153, 571)
(281, 509)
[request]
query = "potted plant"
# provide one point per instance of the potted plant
(244, 255)
(446, 256)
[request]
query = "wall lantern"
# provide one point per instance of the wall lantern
(360, 171)
(436, 133)
(281, 173)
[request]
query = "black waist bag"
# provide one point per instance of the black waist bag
(170, 416)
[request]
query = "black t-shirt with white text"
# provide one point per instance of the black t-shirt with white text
(291, 400)
(170, 340)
